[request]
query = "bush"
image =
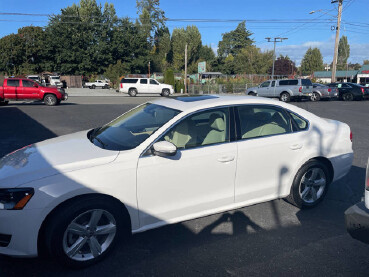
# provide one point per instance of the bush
(169, 77)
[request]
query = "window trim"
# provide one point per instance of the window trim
(285, 111)
(231, 119)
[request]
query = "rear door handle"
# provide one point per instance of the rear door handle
(296, 146)
(226, 159)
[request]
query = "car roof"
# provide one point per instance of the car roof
(211, 100)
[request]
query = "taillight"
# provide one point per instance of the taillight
(329, 90)
(351, 136)
(300, 89)
(362, 90)
(121, 85)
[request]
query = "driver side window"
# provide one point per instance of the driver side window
(203, 128)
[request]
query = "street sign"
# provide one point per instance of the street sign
(201, 67)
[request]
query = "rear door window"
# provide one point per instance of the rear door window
(260, 121)
(306, 82)
(143, 81)
(13, 83)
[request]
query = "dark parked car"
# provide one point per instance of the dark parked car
(323, 92)
(350, 91)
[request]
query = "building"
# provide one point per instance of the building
(360, 76)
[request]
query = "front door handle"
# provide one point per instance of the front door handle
(226, 159)
(296, 146)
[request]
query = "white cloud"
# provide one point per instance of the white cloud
(358, 52)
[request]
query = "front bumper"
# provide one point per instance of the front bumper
(357, 222)
(65, 96)
(23, 227)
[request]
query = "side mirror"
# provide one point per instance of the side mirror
(35, 85)
(164, 149)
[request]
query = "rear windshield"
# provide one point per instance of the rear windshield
(129, 81)
(288, 82)
(306, 82)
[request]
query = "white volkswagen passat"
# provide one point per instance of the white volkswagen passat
(163, 162)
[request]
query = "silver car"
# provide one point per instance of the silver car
(285, 90)
(323, 92)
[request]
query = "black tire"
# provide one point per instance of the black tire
(348, 96)
(165, 92)
(93, 86)
(50, 100)
(106, 87)
(285, 97)
(132, 92)
(298, 187)
(315, 97)
(57, 239)
(4, 103)
(252, 93)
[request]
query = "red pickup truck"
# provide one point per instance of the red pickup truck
(19, 89)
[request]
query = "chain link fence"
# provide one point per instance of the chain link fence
(219, 88)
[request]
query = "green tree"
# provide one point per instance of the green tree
(366, 62)
(169, 77)
(312, 61)
(251, 60)
(283, 66)
(151, 17)
(115, 71)
(180, 37)
(343, 53)
(232, 42)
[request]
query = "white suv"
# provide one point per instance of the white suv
(132, 86)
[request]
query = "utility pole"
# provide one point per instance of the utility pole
(149, 71)
(334, 66)
(185, 79)
(277, 39)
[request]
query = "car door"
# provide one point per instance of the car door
(268, 152)
(154, 86)
(198, 179)
(272, 89)
(264, 89)
(143, 86)
(28, 90)
(11, 88)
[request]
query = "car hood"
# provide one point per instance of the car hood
(51, 157)
(252, 88)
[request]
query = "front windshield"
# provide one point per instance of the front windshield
(132, 128)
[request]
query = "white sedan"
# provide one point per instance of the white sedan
(164, 162)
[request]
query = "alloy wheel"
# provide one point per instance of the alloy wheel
(312, 185)
(89, 235)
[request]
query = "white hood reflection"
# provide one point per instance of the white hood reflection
(50, 157)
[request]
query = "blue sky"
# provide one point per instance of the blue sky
(314, 32)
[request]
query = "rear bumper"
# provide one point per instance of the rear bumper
(357, 222)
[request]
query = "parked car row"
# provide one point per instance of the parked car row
(287, 90)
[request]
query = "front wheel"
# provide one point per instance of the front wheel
(50, 100)
(310, 185)
(348, 97)
(84, 231)
(285, 97)
(4, 103)
(165, 92)
(315, 97)
(252, 93)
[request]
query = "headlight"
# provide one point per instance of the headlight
(15, 199)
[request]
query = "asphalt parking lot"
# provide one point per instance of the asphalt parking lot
(272, 238)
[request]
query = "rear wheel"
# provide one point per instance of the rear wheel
(285, 97)
(93, 86)
(252, 93)
(348, 96)
(50, 100)
(106, 87)
(4, 103)
(315, 97)
(132, 92)
(85, 231)
(310, 184)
